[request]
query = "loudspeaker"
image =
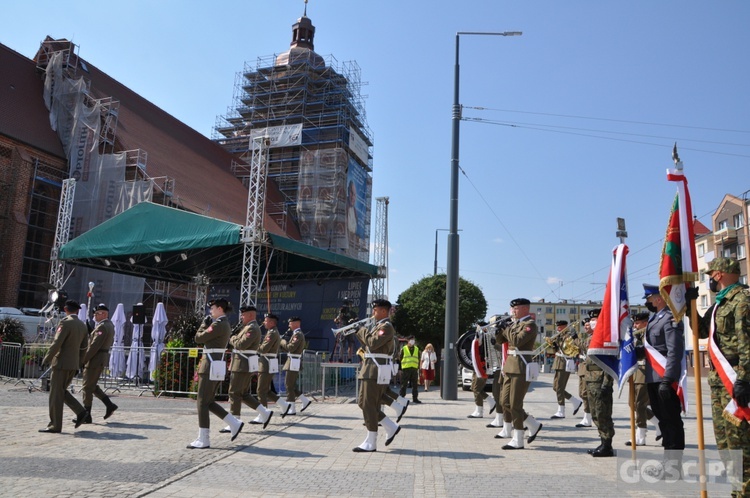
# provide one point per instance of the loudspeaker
(139, 314)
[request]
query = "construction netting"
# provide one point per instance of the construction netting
(101, 190)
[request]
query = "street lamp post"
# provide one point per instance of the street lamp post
(449, 387)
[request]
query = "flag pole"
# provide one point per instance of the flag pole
(698, 398)
(632, 416)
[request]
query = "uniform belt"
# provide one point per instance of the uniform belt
(733, 361)
(269, 355)
(516, 352)
(290, 355)
(379, 355)
(214, 350)
(246, 351)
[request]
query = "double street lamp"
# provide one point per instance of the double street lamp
(449, 380)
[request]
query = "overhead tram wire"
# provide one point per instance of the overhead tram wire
(513, 125)
(479, 108)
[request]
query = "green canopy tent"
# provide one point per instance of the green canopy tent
(154, 241)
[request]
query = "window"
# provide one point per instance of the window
(723, 225)
(701, 250)
(702, 276)
(562, 311)
(704, 301)
(741, 251)
(743, 280)
(726, 252)
(549, 309)
(738, 220)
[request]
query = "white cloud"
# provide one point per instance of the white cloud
(553, 281)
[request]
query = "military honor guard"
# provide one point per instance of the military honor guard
(643, 413)
(214, 334)
(64, 357)
(520, 336)
(294, 347)
(375, 375)
(726, 325)
(583, 345)
(562, 371)
(478, 384)
(664, 343)
(600, 387)
(244, 353)
(268, 364)
(95, 360)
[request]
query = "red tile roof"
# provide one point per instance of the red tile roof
(699, 228)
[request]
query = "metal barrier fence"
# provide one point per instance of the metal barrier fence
(175, 372)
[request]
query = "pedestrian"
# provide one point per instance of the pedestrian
(429, 359)
(244, 365)
(295, 347)
(726, 324)
(410, 369)
(94, 361)
(64, 357)
(214, 334)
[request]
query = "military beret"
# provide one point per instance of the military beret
(561, 322)
(381, 303)
(520, 302)
(585, 321)
(294, 319)
(272, 316)
(220, 303)
(595, 313)
(71, 305)
(643, 315)
(244, 309)
(724, 265)
(650, 290)
(101, 307)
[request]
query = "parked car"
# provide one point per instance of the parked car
(30, 322)
(466, 380)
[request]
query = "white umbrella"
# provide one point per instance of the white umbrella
(135, 358)
(158, 334)
(117, 355)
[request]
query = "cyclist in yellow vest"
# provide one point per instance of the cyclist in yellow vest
(410, 369)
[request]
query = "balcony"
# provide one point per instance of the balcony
(725, 236)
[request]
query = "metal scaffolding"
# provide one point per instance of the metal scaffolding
(380, 251)
(253, 233)
(62, 232)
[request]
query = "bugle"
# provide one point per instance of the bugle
(352, 327)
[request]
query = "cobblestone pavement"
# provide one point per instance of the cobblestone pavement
(140, 451)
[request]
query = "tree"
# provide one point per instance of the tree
(420, 309)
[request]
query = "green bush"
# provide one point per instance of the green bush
(11, 330)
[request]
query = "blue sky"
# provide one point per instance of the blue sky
(581, 114)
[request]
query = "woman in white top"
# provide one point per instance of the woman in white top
(427, 364)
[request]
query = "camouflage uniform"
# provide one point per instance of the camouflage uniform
(583, 344)
(732, 336)
(642, 412)
(599, 386)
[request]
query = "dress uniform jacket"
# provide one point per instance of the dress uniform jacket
(295, 345)
(560, 361)
(68, 346)
(214, 336)
(520, 336)
(101, 340)
(270, 345)
(248, 338)
(379, 340)
(668, 338)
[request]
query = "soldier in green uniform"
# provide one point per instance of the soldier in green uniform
(245, 349)
(64, 356)
(562, 374)
(268, 365)
(294, 347)
(374, 375)
(642, 411)
(600, 387)
(727, 325)
(520, 336)
(583, 344)
(95, 360)
(497, 375)
(214, 334)
(478, 384)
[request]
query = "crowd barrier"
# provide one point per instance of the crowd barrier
(175, 372)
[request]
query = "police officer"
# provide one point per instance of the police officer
(727, 326)
(95, 360)
(269, 356)
(665, 352)
(64, 356)
(378, 342)
(600, 386)
(245, 345)
(583, 345)
(214, 334)
(520, 336)
(294, 347)
(410, 369)
(642, 411)
(561, 373)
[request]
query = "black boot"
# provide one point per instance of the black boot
(83, 418)
(591, 451)
(605, 450)
(111, 407)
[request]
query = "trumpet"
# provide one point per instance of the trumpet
(548, 340)
(352, 327)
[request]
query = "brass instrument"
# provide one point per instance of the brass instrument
(548, 341)
(352, 327)
(570, 348)
(361, 354)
